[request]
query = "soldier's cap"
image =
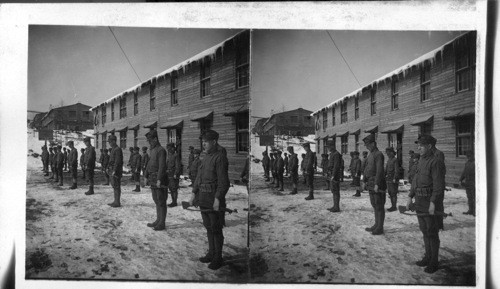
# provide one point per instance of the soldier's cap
(264, 153)
(210, 135)
(82, 149)
(144, 148)
(290, 148)
(170, 145)
(369, 138)
(59, 146)
(137, 149)
(111, 137)
(196, 151)
(69, 142)
(306, 145)
(105, 150)
(131, 148)
(191, 147)
(355, 153)
(390, 149)
(87, 139)
(411, 152)
(365, 153)
(152, 134)
(425, 140)
(417, 155)
(278, 152)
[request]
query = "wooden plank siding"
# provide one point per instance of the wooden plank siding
(225, 97)
(444, 100)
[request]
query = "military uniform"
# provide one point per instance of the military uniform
(374, 176)
(195, 164)
(105, 165)
(468, 180)
(89, 161)
(156, 171)
(82, 162)
(115, 170)
(59, 165)
(355, 169)
(52, 163)
(173, 173)
(265, 165)
(212, 183)
(73, 165)
(324, 168)
(272, 167)
(65, 159)
(293, 165)
(280, 169)
(45, 160)
(144, 162)
(135, 165)
(285, 162)
(309, 170)
(190, 160)
(334, 173)
(392, 171)
(428, 186)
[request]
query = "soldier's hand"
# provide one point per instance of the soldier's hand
(216, 204)
(158, 183)
(431, 208)
(408, 203)
(376, 188)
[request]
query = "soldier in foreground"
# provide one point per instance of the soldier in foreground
(73, 163)
(324, 168)
(65, 159)
(309, 170)
(82, 161)
(265, 165)
(392, 171)
(45, 160)
(285, 161)
(190, 161)
(59, 165)
(173, 173)
(89, 163)
(280, 168)
(334, 171)
(156, 175)
(209, 192)
(131, 151)
(294, 169)
(105, 165)
(427, 188)
(195, 164)
(468, 180)
(115, 170)
(356, 173)
(144, 163)
(52, 162)
(363, 166)
(272, 166)
(375, 184)
(135, 165)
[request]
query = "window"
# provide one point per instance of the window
(356, 107)
(356, 142)
(123, 139)
(103, 115)
(373, 102)
(242, 60)
(425, 128)
(136, 137)
(325, 119)
(242, 139)
(152, 97)
(96, 141)
(464, 135)
(174, 89)
(325, 145)
(343, 142)
(86, 114)
(123, 107)
(294, 119)
(104, 140)
(343, 111)
(333, 115)
(171, 135)
(112, 110)
(425, 82)
(465, 68)
(205, 77)
(392, 140)
(394, 94)
(136, 103)
(72, 114)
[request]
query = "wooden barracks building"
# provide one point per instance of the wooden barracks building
(207, 91)
(434, 94)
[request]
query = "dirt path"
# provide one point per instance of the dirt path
(71, 235)
(293, 240)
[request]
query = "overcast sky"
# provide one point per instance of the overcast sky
(302, 68)
(86, 61)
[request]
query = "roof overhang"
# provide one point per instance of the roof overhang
(343, 134)
(358, 131)
(122, 129)
(372, 129)
(173, 124)
(423, 120)
(465, 112)
(135, 127)
(394, 129)
(202, 116)
(151, 125)
(242, 109)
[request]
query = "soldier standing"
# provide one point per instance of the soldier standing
(427, 188)
(101, 157)
(272, 165)
(73, 163)
(59, 165)
(280, 168)
(411, 153)
(82, 162)
(105, 165)
(303, 168)
(131, 150)
(144, 163)
(375, 183)
(363, 165)
(209, 192)
(294, 170)
(356, 173)
(392, 171)
(193, 169)
(413, 169)
(115, 170)
(89, 162)
(342, 168)
(135, 165)
(285, 162)
(173, 173)
(190, 161)
(45, 160)
(244, 176)
(265, 165)
(468, 180)
(309, 170)
(65, 156)
(156, 175)
(324, 168)
(52, 162)
(334, 169)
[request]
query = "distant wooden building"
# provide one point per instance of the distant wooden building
(297, 122)
(434, 94)
(259, 126)
(36, 122)
(77, 117)
(207, 91)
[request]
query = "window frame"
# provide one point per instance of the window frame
(112, 110)
(333, 115)
(242, 65)
(344, 144)
(343, 112)
(123, 139)
(205, 77)
(174, 89)
(324, 115)
(103, 115)
(356, 108)
(373, 102)
(136, 103)
(425, 95)
(460, 149)
(468, 69)
(152, 97)
(394, 94)
(123, 107)
(242, 132)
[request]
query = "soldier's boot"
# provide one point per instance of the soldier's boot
(161, 223)
(357, 194)
(380, 228)
(174, 199)
(116, 202)
(294, 191)
(425, 260)
(61, 180)
(281, 187)
(91, 190)
(433, 262)
(310, 197)
(217, 261)
(74, 184)
(211, 249)
(327, 185)
(107, 181)
(153, 224)
(83, 175)
(336, 202)
(137, 187)
(370, 229)
(393, 204)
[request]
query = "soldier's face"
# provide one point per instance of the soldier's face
(208, 145)
(424, 148)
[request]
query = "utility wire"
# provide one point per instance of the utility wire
(343, 58)
(125, 54)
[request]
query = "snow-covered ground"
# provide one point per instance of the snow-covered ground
(71, 235)
(293, 240)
